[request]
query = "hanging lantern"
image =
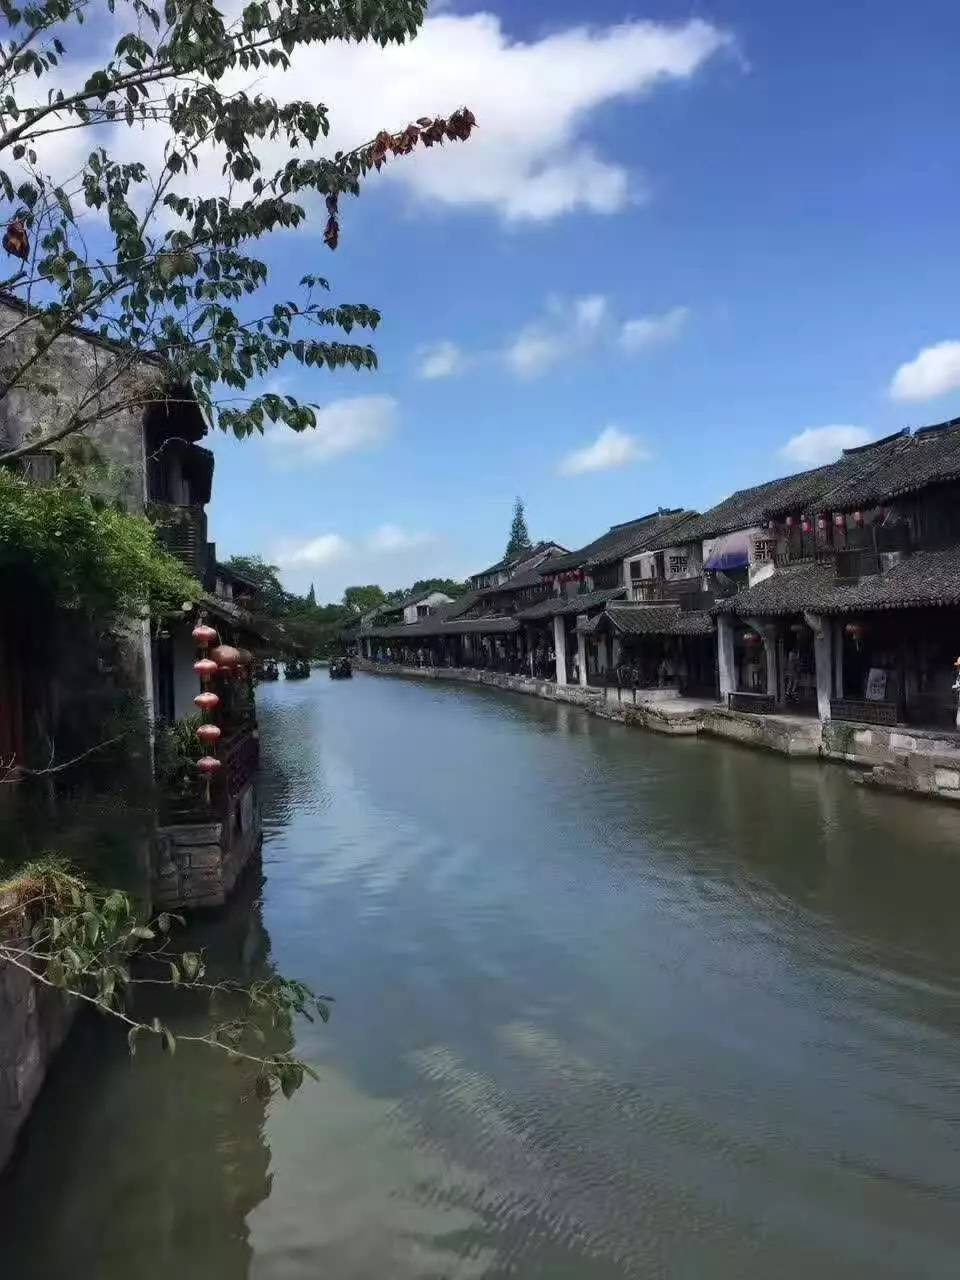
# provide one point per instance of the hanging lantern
(856, 631)
(208, 765)
(789, 522)
(796, 627)
(750, 638)
(203, 636)
(207, 701)
(244, 658)
(822, 523)
(209, 734)
(225, 656)
(806, 525)
(205, 668)
(840, 520)
(858, 519)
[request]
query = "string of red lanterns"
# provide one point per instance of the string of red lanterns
(207, 701)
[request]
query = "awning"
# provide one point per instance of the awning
(730, 551)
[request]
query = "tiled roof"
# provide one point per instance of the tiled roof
(656, 620)
(929, 456)
(442, 625)
(842, 485)
(558, 606)
(542, 546)
(926, 578)
(620, 540)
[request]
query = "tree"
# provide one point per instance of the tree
(83, 941)
(164, 263)
(363, 599)
(312, 597)
(519, 539)
(271, 597)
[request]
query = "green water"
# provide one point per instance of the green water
(608, 1005)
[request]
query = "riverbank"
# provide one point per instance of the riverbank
(915, 762)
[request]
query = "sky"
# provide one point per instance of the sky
(691, 246)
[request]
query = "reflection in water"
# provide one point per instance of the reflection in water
(608, 1005)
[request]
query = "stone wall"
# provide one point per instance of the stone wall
(34, 1022)
(921, 762)
(198, 864)
(56, 386)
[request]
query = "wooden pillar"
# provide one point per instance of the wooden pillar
(726, 660)
(823, 660)
(560, 647)
(582, 656)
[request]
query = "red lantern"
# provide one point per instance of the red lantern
(805, 525)
(772, 526)
(207, 701)
(225, 655)
(822, 523)
(840, 520)
(855, 630)
(209, 734)
(858, 519)
(205, 668)
(789, 522)
(245, 657)
(204, 636)
(750, 638)
(208, 765)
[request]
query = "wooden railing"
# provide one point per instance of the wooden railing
(239, 750)
(864, 712)
(762, 704)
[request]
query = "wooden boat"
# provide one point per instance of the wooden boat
(340, 669)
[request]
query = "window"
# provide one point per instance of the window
(678, 566)
(636, 569)
(763, 550)
(423, 610)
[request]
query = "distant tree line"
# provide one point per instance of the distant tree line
(317, 626)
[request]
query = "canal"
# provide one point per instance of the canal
(608, 1005)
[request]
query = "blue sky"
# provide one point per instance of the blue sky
(676, 248)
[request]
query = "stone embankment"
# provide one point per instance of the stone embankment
(921, 762)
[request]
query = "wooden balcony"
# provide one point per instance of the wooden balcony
(239, 750)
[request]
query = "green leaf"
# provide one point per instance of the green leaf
(142, 932)
(168, 1041)
(132, 1040)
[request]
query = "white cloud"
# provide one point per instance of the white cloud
(440, 360)
(315, 553)
(343, 426)
(534, 351)
(590, 312)
(817, 445)
(573, 327)
(935, 371)
(612, 448)
(648, 331)
(568, 328)
(530, 159)
(390, 538)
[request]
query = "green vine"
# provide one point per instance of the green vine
(85, 553)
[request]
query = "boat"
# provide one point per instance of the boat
(340, 669)
(267, 670)
(296, 669)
